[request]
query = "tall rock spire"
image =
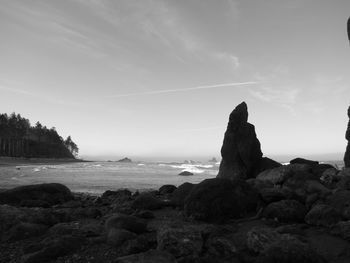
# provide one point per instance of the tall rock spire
(347, 137)
(240, 152)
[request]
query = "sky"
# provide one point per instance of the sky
(157, 79)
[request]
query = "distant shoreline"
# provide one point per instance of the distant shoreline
(20, 161)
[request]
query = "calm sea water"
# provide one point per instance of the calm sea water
(97, 177)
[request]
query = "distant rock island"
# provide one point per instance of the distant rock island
(19, 139)
(185, 173)
(213, 160)
(125, 160)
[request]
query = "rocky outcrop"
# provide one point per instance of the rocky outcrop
(37, 195)
(303, 161)
(240, 152)
(125, 160)
(347, 137)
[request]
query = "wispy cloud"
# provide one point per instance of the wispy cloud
(153, 92)
(276, 88)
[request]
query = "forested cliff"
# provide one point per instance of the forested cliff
(19, 139)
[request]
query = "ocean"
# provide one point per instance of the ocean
(97, 177)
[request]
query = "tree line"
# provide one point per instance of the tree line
(19, 139)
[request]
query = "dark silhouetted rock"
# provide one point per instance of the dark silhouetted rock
(344, 183)
(147, 201)
(167, 189)
(185, 173)
(274, 194)
(342, 229)
(347, 137)
(220, 199)
(320, 168)
(240, 152)
(130, 223)
(286, 211)
(181, 193)
(139, 244)
(322, 215)
(54, 248)
(117, 236)
(116, 196)
(266, 164)
(261, 238)
(180, 241)
(288, 251)
(125, 160)
(303, 161)
(151, 256)
(340, 201)
(52, 194)
(25, 230)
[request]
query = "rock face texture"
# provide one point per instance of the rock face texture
(220, 199)
(347, 137)
(241, 153)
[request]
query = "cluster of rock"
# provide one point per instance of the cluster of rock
(274, 213)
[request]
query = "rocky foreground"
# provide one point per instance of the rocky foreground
(255, 211)
(293, 213)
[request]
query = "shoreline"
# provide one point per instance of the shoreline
(20, 161)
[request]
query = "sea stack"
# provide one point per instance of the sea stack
(347, 137)
(241, 152)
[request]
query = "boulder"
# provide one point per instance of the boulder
(167, 189)
(342, 229)
(274, 194)
(181, 193)
(322, 215)
(266, 164)
(285, 211)
(10, 216)
(241, 152)
(116, 237)
(288, 251)
(340, 201)
(50, 249)
(303, 161)
(147, 201)
(221, 246)
(344, 183)
(181, 242)
(219, 199)
(261, 238)
(52, 193)
(25, 230)
(347, 137)
(150, 256)
(130, 223)
(320, 168)
(139, 244)
(119, 195)
(329, 177)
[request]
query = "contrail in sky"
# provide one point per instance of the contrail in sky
(187, 89)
